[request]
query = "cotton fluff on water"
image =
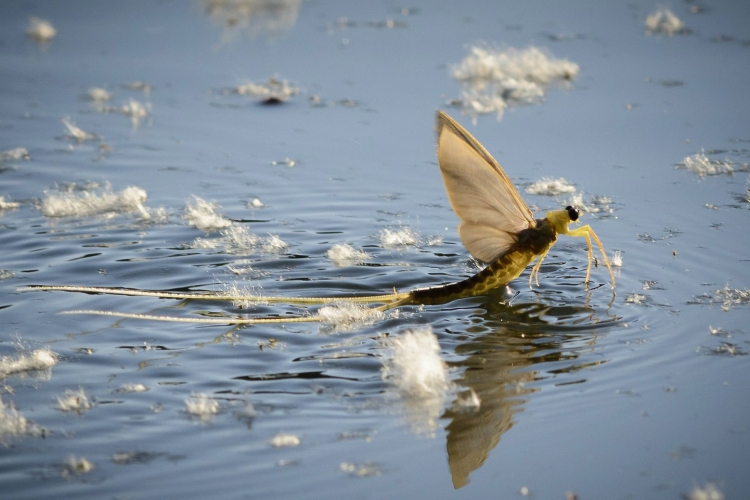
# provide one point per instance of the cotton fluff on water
(551, 187)
(95, 202)
(205, 215)
(74, 401)
(495, 77)
(201, 406)
(419, 377)
(40, 359)
(12, 422)
(343, 254)
(40, 30)
(664, 22)
(395, 238)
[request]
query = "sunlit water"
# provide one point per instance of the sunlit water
(149, 160)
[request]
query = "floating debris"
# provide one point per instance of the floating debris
(597, 204)
(466, 402)
(360, 470)
(708, 492)
(617, 259)
(40, 359)
(274, 244)
(419, 376)
(238, 240)
(76, 466)
(548, 186)
(282, 440)
(97, 94)
(636, 298)
(272, 18)
(204, 215)
(725, 349)
(287, 162)
(7, 205)
(274, 91)
(664, 22)
(343, 255)
(131, 388)
(73, 132)
(96, 202)
(346, 315)
(726, 296)
(343, 23)
(701, 165)
(201, 406)
(13, 423)
(40, 30)
(134, 109)
(140, 86)
(397, 238)
(255, 203)
(74, 401)
(5, 274)
(493, 78)
(14, 154)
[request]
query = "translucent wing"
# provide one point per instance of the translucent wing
(489, 206)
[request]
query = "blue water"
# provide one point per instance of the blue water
(606, 396)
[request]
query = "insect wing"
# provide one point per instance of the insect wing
(490, 208)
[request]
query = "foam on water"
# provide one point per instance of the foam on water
(395, 238)
(204, 215)
(40, 30)
(14, 154)
(40, 359)
(496, 77)
(664, 22)
(551, 187)
(343, 255)
(201, 406)
(74, 401)
(95, 202)
(419, 376)
(5, 274)
(73, 132)
(282, 440)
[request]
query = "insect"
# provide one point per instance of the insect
(496, 227)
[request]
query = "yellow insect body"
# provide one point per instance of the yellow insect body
(496, 227)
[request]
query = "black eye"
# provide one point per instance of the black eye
(572, 212)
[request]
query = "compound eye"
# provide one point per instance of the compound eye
(573, 212)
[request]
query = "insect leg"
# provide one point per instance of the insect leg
(537, 266)
(588, 233)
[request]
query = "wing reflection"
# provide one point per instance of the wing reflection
(497, 368)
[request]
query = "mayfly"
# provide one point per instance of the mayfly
(496, 227)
